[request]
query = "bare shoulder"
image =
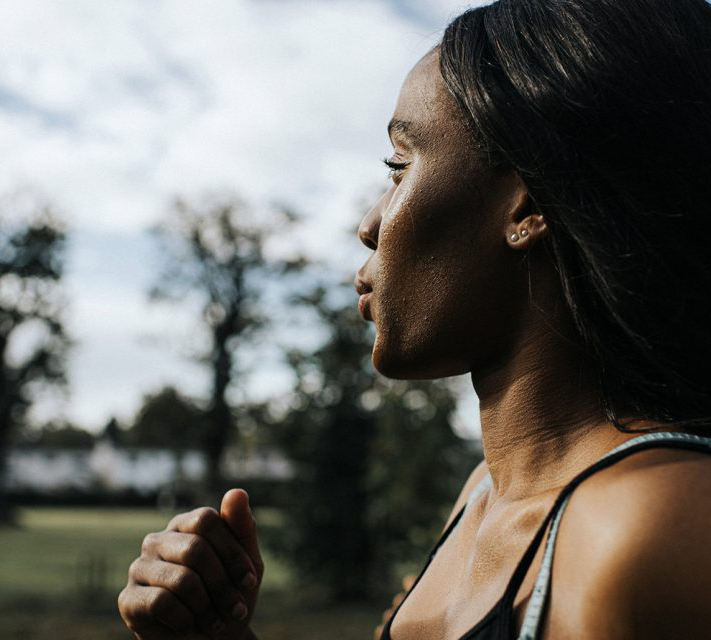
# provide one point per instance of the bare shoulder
(475, 477)
(633, 550)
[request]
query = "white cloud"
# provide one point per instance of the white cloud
(111, 107)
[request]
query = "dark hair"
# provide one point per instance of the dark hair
(603, 107)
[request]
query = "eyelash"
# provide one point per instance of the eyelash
(394, 167)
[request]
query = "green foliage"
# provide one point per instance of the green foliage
(418, 466)
(328, 435)
(33, 343)
(214, 254)
(57, 436)
(165, 419)
(378, 463)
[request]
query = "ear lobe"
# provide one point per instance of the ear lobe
(525, 225)
(526, 232)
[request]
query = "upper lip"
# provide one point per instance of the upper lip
(362, 287)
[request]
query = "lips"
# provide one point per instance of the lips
(366, 291)
(364, 306)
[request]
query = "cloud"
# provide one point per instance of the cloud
(125, 103)
(110, 108)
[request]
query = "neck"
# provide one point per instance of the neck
(541, 423)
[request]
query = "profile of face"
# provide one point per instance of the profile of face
(444, 284)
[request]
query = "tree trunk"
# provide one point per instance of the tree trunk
(219, 419)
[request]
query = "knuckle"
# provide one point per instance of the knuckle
(174, 522)
(134, 570)
(195, 551)
(204, 518)
(123, 602)
(187, 582)
(149, 543)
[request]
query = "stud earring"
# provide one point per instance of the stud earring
(524, 233)
(514, 237)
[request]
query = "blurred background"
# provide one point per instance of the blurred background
(180, 187)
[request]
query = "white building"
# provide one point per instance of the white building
(116, 469)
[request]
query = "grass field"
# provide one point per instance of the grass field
(61, 569)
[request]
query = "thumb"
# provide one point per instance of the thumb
(238, 516)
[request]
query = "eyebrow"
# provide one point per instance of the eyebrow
(402, 128)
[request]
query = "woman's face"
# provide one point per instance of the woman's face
(443, 283)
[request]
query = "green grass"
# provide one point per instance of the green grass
(61, 569)
(51, 552)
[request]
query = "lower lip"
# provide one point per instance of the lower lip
(363, 306)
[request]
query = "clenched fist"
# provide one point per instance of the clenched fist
(198, 579)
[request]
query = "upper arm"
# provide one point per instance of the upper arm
(633, 558)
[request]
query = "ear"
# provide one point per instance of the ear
(524, 225)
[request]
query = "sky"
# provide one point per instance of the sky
(110, 109)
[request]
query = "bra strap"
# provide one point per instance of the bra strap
(534, 612)
(482, 486)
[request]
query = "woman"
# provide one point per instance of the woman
(545, 231)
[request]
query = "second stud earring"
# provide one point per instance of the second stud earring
(514, 237)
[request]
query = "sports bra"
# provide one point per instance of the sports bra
(500, 622)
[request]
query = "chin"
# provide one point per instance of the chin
(424, 363)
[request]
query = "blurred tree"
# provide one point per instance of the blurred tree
(56, 436)
(214, 254)
(33, 342)
(417, 468)
(113, 432)
(378, 463)
(328, 435)
(166, 420)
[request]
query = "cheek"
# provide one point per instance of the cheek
(427, 286)
(429, 237)
(450, 293)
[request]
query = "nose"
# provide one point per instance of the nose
(369, 228)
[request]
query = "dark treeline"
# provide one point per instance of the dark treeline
(376, 462)
(32, 256)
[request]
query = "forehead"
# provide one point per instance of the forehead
(425, 106)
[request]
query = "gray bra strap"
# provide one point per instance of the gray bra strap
(532, 620)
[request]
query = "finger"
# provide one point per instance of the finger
(386, 615)
(236, 513)
(142, 630)
(378, 632)
(207, 523)
(149, 610)
(184, 583)
(194, 551)
(397, 600)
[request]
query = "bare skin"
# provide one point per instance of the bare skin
(458, 283)
(631, 552)
(199, 578)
